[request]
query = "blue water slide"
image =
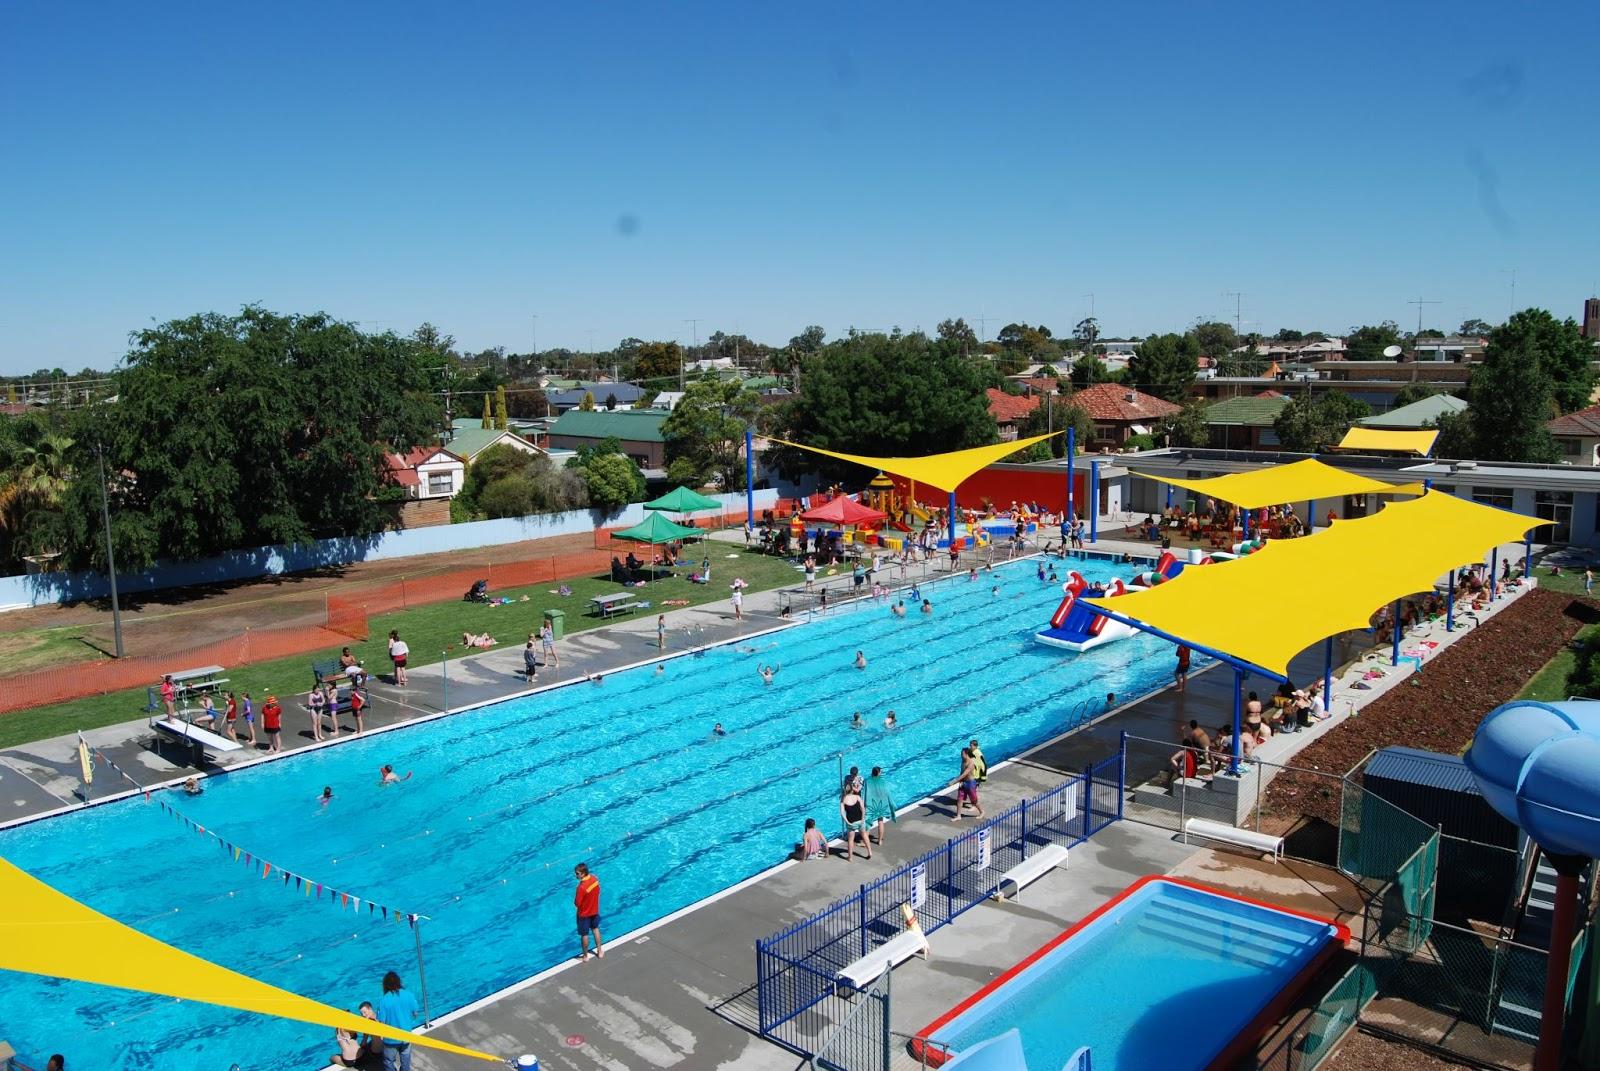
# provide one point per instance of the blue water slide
(1538, 765)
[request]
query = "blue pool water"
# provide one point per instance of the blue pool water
(1165, 978)
(505, 799)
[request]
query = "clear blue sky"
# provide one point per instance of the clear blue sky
(621, 168)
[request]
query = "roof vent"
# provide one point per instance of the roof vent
(1130, 397)
(1461, 466)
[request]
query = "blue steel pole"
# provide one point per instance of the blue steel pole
(1450, 604)
(952, 521)
(1169, 496)
(1327, 674)
(1494, 567)
(1394, 633)
(1527, 556)
(1244, 516)
(1238, 721)
(749, 477)
(1311, 515)
(1072, 448)
(1094, 501)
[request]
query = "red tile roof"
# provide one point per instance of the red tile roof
(1009, 408)
(403, 467)
(1584, 422)
(1114, 402)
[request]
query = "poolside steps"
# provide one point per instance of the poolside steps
(1222, 799)
(1220, 935)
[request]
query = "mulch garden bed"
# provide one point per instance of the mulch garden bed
(1483, 669)
(1363, 1052)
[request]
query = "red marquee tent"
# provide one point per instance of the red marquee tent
(843, 510)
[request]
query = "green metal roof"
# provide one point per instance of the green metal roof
(1246, 412)
(1417, 415)
(469, 442)
(631, 425)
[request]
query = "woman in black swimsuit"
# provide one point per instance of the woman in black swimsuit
(854, 813)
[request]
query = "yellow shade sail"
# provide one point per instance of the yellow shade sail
(46, 932)
(1300, 482)
(944, 471)
(1402, 442)
(1266, 608)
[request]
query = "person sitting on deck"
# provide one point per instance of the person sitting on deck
(1194, 748)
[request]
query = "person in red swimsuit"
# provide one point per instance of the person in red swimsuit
(272, 722)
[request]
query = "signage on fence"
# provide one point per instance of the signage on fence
(984, 857)
(919, 884)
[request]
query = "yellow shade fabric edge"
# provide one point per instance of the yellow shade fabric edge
(1406, 442)
(48, 933)
(1270, 606)
(944, 471)
(1301, 481)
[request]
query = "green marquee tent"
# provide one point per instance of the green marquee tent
(683, 500)
(657, 529)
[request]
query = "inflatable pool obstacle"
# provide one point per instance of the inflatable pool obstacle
(1168, 566)
(1077, 628)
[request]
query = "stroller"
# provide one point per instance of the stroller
(479, 592)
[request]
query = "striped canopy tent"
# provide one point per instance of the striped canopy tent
(944, 471)
(1303, 481)
(48, 933)
(1383, 441)
(1333, 581)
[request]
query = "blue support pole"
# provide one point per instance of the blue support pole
(1327, 674)
(1527, 556)
(1094, 501)
(1244, 518)
(749, 477)
(1494, 567)
(1394, 633)
(1072, 448)
(951, 522)
(1450, 604)
(1427, 485)
(1238, 721)
(1311, 515)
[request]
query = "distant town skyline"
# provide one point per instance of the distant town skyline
(625, 172)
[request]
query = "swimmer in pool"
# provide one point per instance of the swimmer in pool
(927, 607)
(191, 787)
(387, 776)
(768, 672)
(889, 722)
(856, 722)
(861, 660)
(660, 669)
(327, 795)
(718, 730)
(900, 608)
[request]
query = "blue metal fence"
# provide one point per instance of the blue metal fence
(797, 968)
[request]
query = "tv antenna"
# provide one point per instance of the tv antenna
(1238, 305)
(1419, 302)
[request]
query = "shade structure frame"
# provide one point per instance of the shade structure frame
(946, 472)
(1264, 609)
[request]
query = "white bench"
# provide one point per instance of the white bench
(1244, 838)
(1035, 866)
(893, 952)
(194, 737)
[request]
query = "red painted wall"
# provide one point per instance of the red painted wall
(1001, 485)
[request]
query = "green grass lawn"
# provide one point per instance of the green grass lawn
(1568, 583)
(430, 631)
(1552, 682)
(23, 652)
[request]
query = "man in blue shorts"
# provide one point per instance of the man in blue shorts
(587, 901)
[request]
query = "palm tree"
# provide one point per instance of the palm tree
(37, 479)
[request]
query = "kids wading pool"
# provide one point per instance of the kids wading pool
(1167, 974)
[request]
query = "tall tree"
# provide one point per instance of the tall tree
(1215, 339)
(249, 430)
(1187, 427)
(658, 360)
(1558, 347)
(1087, 332)
(957, 333)
(1475, 328)
(808, 341)
(1287, 334)
(884, 396)
(488, 414)
(501, 419)
(1415, 392)
(706, 431)
(1511, 398)
(1089, 370)
(1312, 423)
(1367, 343)
(1056, 412)
(1165, 366)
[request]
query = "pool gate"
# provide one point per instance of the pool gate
(801, 1003)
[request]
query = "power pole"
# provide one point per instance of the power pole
(694, 327)
(111, 561)
(536, 342)
(1238, 315)
(1419, 302)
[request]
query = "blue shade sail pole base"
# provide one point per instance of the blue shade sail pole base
(1327, 674)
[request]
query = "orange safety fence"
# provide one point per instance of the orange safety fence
(345, 617)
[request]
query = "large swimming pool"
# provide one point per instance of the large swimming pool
(624, 774)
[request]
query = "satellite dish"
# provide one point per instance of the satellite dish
(1391, 351)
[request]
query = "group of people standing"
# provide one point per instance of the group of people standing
(866, 806)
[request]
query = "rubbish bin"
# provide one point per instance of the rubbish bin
(557, 620)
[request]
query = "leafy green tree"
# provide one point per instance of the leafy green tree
(1415, 392)
(1286, 334)
(248, 430)
(1457, 436)
(658, 360)
(1054, 413)
(808, 341)
(1187, 427)
(1511, 398)
(1475, 328)
(875, 394)
(706, 430)
(1368, 343)
(586, 403)
(509, 496)
(501, 420)
(37, 461)
(1028, 343)
(504, 481)
(488, 415)
(1215, 339)
(959, 334)
(1243, 363)
(1311, 423)
(613, 481)
(1087, 333)
(525, 398)
(1556, 346)
(1165, 366)
(1089, 370)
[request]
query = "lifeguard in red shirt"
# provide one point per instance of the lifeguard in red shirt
(587, 901)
